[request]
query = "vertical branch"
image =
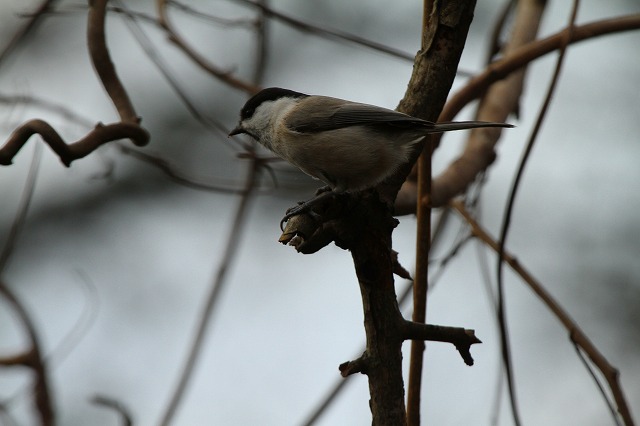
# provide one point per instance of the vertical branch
(504, 334)
(423, 247)
(420, 283)
(445, 26)
(21, 214)
(434, 71)
(102, 63)
(262, 42)
(382, 359)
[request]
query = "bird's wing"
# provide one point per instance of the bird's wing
(317, 114)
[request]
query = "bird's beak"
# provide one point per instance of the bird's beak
(238, 130)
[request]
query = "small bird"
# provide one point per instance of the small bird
(348, 145)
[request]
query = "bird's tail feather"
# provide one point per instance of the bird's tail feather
(461, 125)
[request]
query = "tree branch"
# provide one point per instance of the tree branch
(463, 171)
(224, 76)
(461, 338)
(128, 127)
(100, 135)
(31, 358)
(576, 334)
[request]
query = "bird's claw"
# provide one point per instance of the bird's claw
(301, 208)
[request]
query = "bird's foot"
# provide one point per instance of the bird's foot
(306, 207)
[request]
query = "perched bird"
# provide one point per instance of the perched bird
(348, 145)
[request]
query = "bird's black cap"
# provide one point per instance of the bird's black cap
(265, 95)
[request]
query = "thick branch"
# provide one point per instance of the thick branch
(434, 71)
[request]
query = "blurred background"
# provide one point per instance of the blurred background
(116, 258)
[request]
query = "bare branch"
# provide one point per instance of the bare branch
(501, 309)
(103, 65)
(100, 135)
(128, 128)
(151, 52)
(31, 358)
(310, 28)
(21, 214)
(224, 76)
(576, 334)
(463, 171)
(461, 338)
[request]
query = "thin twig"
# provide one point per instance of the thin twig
(506, 221)
(116, 406)
(262, 25)
(249, 23)
(218, 284)
(317, 30)
(599, 385)
(55, 107)
(23, 208)
(32, 358)
(148, 48)
(224, 76)
(495, 45)
(576, 334)
(34, 20)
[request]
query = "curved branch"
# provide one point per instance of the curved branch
(476, 158)
(115, 406)
(128, 128)
(529, 52)
(100, 135)
(102, 63)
